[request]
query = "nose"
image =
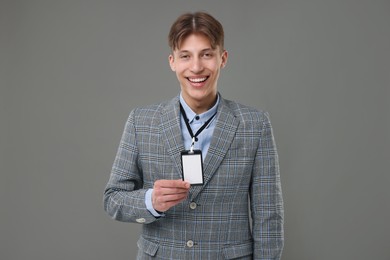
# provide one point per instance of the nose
(196, 65)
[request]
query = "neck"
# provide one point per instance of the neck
(202, 106)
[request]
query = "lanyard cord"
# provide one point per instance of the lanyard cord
(194, 137)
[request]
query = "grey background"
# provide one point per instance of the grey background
(72, 70)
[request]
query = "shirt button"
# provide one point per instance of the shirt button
(140, 220)
(197, 117)
(193, 205)
(190, 243)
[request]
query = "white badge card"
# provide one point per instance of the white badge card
(192, 166)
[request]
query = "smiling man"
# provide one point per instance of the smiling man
(195, 171)
(197, 65)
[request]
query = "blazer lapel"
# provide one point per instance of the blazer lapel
(171, 132)
(223, 135)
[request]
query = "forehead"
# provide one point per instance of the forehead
(195, 42)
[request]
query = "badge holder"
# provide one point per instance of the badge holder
(192, 166)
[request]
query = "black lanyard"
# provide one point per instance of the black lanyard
(194, 137)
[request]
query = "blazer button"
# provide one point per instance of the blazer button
(193, 205)
(140, 220)
(190, 243)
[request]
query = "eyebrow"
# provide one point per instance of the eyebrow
(187, 51)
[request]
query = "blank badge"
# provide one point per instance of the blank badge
(192, 166)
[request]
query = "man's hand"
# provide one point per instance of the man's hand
(168, 193)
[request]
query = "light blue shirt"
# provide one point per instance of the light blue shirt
(204, 138)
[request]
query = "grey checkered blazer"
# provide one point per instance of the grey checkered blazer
(241, 173)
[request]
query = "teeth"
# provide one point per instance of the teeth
(197, 80)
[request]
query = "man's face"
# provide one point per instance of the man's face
(197, 68)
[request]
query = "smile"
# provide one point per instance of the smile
(198, 80)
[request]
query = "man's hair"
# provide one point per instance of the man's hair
(196, 23)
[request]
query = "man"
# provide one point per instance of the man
(189, 169)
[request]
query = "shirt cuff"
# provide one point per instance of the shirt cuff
(149, 205)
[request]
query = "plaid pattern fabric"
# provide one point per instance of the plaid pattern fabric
(241, 173)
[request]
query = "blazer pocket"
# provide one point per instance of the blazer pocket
(238, 250)
(148, 247)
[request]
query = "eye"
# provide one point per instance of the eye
(208, 55)
(184, 56)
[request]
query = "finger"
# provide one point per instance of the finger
(163, 203)
(169, 191)
(171, 198)
(172, 184)
(167, 205)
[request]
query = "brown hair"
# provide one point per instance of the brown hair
(193, 23)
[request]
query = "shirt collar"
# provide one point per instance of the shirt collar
(202, 117)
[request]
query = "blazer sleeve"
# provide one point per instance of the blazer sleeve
(266, 197)
(124, 197)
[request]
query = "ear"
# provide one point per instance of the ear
(224, 58)
(172, 62)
